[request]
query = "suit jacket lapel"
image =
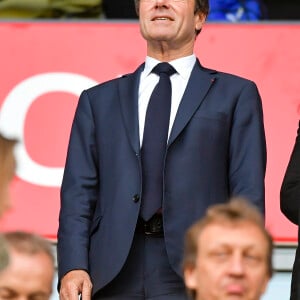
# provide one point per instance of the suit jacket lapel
(199, 83)
(128, 96)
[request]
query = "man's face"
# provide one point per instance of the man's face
(27, 277)
(170, 21)
(231, 263)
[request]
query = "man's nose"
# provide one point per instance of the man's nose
(237, 266)
(162, 2)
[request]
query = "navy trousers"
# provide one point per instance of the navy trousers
(146, 274)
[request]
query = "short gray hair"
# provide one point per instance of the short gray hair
(28, 243)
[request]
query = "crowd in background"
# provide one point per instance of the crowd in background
(220, 10)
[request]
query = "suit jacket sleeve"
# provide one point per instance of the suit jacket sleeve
(78, 192)
(247, 154)
(290, 189)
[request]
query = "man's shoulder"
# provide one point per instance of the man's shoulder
(105, 84)
(228, 76)
(234, 77)
(113, 82)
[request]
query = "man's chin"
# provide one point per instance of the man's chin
(160, 36)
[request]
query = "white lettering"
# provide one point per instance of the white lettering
(13, 115)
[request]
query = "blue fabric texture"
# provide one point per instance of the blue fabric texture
(235, 11)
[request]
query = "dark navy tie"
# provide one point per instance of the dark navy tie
(155, 141)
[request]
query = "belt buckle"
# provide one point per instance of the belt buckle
(154, 226)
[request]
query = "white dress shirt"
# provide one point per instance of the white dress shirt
(148, 81)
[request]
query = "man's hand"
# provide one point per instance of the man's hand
(74, 283)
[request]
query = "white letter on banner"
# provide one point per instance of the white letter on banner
(13, 115)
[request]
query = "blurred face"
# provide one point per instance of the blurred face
(5, 202)
(231, 263)
(27, 277)
(6, 176)
(170, 22)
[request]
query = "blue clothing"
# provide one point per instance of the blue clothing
(234, 10)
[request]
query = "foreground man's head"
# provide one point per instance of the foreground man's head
(30, 270)
(228, 254)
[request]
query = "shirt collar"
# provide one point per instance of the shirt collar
(183, 65)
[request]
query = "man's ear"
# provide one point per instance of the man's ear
(200, 20)
(190, 277)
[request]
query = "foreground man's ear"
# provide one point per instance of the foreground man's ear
(190, 278)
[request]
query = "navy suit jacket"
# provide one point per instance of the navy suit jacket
(216, 150)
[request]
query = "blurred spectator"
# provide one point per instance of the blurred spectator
(11, 9)
(4, 258)
(289, 205)
(279, 10)
(236, 10)
(228, 253)
(7, 171)
(30, 271)
(119, 9)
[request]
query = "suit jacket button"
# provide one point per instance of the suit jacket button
(136, 198)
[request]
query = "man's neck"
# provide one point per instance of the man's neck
(163, 52)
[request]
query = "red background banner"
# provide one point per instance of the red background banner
(45, 65)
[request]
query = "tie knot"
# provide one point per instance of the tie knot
(164, 68)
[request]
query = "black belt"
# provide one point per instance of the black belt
(153, 227)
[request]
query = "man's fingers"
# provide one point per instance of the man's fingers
(75, 283)
(86, 290)
(69, 291)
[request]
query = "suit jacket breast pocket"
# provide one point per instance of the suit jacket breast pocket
(211, 128)
(213, 116)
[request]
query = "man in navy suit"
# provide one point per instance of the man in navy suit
(215, 149)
